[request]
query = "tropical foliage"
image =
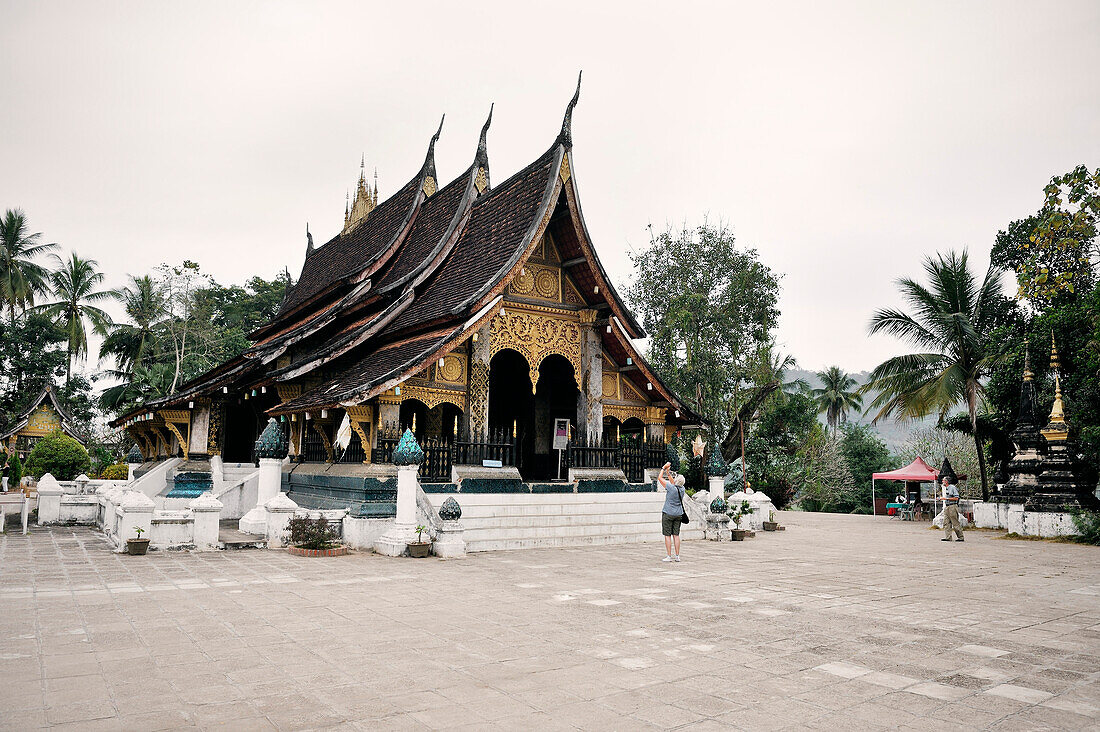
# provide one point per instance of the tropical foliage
(74, 283)
(837, 395)
(955, 320)
(707, 306)
(60, 455)
(21, 277)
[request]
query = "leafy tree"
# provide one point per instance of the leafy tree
(74, 282)
(866, 454)
(15, 471)
(179, 283)
(21, 278)
(707, 306)
(31, 357)
(777, 454)
(225, 316)
(1060, 252)
(136, 342)
(60, 455)
(828, 485)
(932, 444)
(954, 320)
(837, 395)
(144, 384)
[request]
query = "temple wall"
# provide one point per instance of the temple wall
(1014, 519)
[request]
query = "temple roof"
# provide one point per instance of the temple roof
(415, 273)
(48, 394)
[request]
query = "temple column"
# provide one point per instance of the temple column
(590, 380)
(200, 431)
(477, 388)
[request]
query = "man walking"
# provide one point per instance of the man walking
(951, 510)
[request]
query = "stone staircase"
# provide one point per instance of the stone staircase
(229, 537)
(495, 521)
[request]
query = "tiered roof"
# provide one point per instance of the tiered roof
(415, 276)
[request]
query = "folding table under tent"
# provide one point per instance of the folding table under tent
(917, 471)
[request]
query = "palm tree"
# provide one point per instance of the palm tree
(135, 343)
(143, 384)
(74, 283)
(836, 396)
(952, 322)
(21, 278)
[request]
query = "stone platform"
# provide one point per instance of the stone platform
(841, 622)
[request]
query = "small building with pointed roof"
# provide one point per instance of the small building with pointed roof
(44, 416)
(478, 315)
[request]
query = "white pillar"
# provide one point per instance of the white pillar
(136, 513)
(280, 510)
(132, 467)
(270, 482)
(49, 500)
(717, 484)
(394, 542)
(207, 512)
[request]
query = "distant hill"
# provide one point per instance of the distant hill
(894, 434)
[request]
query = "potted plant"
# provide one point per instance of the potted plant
(771, 524)
(420, 548)
(137, 547)
(737, 515)
(313, 538)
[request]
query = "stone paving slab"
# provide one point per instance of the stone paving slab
(847, 622)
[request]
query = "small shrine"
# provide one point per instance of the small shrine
(44, 416)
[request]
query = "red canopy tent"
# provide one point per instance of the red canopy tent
(917, 471)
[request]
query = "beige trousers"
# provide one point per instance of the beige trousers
(951, 521)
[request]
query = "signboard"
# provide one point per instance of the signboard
(561, 433)
(492, 464)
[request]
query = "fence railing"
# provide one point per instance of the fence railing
(632, 455)
(441, 454)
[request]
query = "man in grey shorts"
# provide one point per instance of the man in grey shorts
(671, 511)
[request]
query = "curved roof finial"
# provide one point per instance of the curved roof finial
(309, 241)
(429, 159)
(482, 145)
(566, 136)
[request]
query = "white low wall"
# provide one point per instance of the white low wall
(1014, 519)
(172, 530)
(238, 497)
(362, 533)
(523, 520)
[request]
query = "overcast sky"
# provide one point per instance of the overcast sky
(844, 141)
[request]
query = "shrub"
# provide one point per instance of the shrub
(1088, 523)
(119, 471)
(60, 455)
(15, 472)
(312, 534)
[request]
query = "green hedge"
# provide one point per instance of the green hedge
(59, 455)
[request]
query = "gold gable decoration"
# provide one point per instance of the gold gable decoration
(174, 419)
(430, 397)
(564, 172)
(537, 281)
(481, 182)
(429, 186)
(535, 336)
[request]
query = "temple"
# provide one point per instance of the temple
(478, 315)
(44, 415)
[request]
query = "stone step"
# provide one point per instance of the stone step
(539, 532)
(230, 538)
(602, 519)
(488, 545)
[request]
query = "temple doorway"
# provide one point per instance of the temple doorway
(555, 398)
(511, 403)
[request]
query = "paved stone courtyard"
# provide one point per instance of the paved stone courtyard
(841, 622)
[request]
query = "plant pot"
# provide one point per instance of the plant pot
(298, 551)
(419, 549)
(771, 526)
(137, 547)
(740, 534)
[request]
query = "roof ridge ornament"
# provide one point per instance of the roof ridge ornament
(429, 185)
(566, 135)
(481, 159)
(309, 241)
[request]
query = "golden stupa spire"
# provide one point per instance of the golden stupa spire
(1056, 430)
(1028, 375)
(364, 201)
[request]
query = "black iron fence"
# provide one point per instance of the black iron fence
(632, 455)
(440, 453)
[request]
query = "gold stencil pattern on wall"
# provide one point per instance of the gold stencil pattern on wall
(453, 369)
(537, 281)
(611, 385)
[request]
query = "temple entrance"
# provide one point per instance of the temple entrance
(555, 398)
(244, 420)
(511, 403)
